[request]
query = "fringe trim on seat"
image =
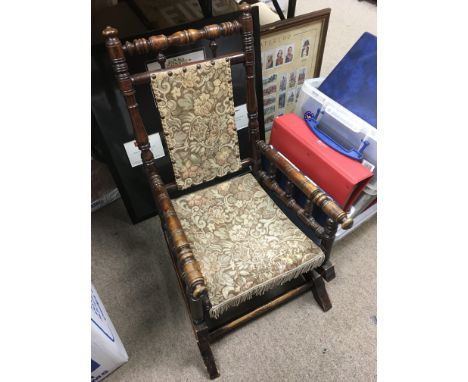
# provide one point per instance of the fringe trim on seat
(260, 289)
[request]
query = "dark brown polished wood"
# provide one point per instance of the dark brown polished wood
(310, 190)
(289, 201)
(260, 310)
(145, 77)
(187, 262)
(189, 36)
(188, 271)
(318, 290)
(252, 108)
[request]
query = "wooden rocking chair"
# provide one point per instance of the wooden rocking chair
(229, 242)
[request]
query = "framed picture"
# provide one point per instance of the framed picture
(292, 50)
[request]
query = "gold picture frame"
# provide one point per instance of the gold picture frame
(292, 50)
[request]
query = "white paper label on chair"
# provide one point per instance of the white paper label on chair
(134, 154)
(242, 118)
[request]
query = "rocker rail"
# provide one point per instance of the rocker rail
(217, 333)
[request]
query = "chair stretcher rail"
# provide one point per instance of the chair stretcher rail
(145, 77)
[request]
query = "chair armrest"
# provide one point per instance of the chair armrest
(187, 263)
(310, 190)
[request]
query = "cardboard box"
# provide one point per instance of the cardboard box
(107, 350)
(103, 188)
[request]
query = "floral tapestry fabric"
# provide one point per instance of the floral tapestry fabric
(197, 115)
(244, 243)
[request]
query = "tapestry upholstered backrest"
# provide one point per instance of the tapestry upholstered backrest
(196, 106)
(195, 102)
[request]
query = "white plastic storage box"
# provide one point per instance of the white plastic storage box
(369, 194)
(349, 131)
(107, 350)
(343, 126)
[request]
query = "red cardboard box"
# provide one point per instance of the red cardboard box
(341, 177)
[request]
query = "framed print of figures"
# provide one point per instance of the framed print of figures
(292, 50)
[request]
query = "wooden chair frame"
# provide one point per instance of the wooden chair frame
(190, 278)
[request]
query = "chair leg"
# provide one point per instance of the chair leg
(327, 271)
(319, 291)
(207, 354)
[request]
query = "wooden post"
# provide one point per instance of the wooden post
(203, 341)
(187, 263)
(309, 207)
(329, 237)
(327, 270)
(120, 67)
(320, 292)
(252, 108)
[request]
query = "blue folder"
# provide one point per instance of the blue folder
(353, 82)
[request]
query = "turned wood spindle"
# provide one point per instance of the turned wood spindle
(161, 58)
(271, 171)
(273, 185)
(329, 237)
(310, 190)
(120, 67)
(160, 42)
(289, 188)
(189, 267)
(186, 262)
(309, 207)
(252, 109)
(214, 47)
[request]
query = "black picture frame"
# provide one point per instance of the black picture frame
(111, 126)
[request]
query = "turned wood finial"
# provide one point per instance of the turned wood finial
(347, 223)
(110, 32)
(198, 290)
(245, 7)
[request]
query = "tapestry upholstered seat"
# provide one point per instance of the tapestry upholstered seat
(244, 243)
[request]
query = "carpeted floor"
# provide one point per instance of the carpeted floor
(349, 19)
(132, 272)
(133, 275)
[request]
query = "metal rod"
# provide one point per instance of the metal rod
(145, 77)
